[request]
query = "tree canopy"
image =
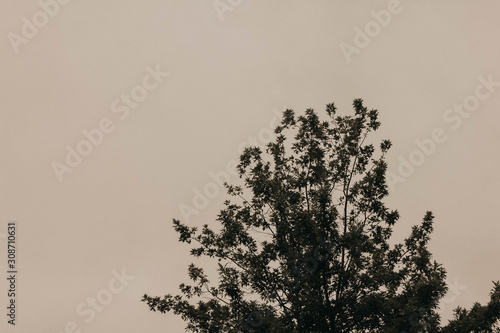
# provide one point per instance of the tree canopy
(304, 243)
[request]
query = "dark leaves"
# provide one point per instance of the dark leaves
(306, 246)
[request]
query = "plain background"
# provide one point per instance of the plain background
(227, 76)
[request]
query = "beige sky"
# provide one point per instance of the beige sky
(228, 70)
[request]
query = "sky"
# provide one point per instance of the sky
(119, 116)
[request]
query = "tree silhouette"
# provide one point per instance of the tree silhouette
(304, 245)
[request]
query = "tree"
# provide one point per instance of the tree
(479, 318)
(303, 246)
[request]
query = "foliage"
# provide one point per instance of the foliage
(309, 251)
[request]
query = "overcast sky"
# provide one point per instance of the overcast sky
(160, 95)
